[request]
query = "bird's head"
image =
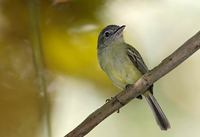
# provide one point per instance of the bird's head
(110, 35)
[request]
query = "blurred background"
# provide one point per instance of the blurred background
(50, 79)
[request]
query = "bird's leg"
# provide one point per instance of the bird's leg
(128, 86)
(108, 100)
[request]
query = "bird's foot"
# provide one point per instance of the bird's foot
(127, 86)
(108, 100)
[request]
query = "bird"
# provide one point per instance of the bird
(124, 65)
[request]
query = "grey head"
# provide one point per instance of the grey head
(110, 35)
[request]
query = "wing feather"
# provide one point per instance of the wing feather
(136, 59)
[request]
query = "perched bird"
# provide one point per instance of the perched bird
(124, 66)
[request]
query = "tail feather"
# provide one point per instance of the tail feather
(159, 115)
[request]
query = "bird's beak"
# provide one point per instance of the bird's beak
(120, 30)
(122, 27)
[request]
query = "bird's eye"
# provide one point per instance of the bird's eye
(107, 34)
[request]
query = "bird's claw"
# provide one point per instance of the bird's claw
(127, 86)
(108, 100)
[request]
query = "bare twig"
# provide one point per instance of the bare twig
(38, 62)
(171, 62)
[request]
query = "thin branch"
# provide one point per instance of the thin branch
(38, 62)
(122, 98)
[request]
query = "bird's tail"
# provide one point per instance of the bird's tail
(159, 115)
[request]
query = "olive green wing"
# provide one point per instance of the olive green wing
(137, 61)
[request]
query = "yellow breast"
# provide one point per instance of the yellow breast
(119, 68)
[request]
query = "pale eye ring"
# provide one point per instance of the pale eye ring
(107, 34)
